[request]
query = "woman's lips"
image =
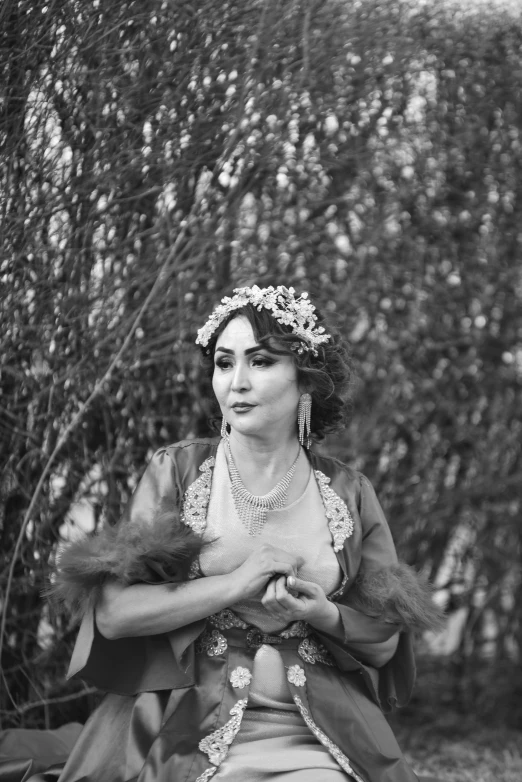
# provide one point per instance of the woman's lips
(242, 408)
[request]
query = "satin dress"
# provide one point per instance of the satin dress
(209, 700)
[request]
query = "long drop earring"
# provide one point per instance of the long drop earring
(304, 415)
(223, 428)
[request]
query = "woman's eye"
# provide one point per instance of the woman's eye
(223, 363)
(262, 361)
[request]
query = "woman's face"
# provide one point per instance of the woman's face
(257, 391)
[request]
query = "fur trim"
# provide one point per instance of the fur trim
(396, 594)
(157, 553)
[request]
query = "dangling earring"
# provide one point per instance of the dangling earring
(224, 432)
(304, 414)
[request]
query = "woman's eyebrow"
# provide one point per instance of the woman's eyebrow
(247, 352)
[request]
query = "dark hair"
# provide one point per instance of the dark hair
(328, 376)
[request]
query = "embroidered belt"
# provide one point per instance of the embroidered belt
(253, 638)
(227, 629)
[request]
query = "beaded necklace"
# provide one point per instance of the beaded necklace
(252, 509)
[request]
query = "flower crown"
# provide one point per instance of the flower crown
(298, 313)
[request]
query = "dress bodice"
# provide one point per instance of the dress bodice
(300, 528)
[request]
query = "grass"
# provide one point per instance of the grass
(483, 755)
(471, 732)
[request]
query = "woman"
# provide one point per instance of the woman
(260, 634)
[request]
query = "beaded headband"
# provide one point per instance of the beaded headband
(298, 313)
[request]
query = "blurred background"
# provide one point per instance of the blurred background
(156, 154)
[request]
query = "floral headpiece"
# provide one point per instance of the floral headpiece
(298, 313)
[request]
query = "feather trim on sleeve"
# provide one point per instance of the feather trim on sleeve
(396, 594)
(156, 553)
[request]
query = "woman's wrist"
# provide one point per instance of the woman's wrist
(328, 621)
(232, 589)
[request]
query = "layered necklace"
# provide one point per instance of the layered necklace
(251, 509)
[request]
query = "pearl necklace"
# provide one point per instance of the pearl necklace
(251, 509)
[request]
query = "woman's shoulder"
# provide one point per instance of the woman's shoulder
(194, 451)
(193, 444)
(195, 447)
(345, 480)
(181, 463)
(331, 464)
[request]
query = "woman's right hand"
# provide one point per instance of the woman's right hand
(263, 564)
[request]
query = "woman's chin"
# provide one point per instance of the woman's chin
(259, 431)
(248, 426)
(245, 429)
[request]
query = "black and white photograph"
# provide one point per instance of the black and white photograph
(261, 391)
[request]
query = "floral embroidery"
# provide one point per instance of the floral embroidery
(332, 748)
(340, 521)
(217, 743)
(298, 629)
(296, 675)
(240, 677)
(313, 652)
(194, 570)
(211, 642)
(226, 619)
(205, 776)
(197, 496)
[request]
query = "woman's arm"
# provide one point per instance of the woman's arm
(150, 609)
(369, 640)
(365, 638)
(387, 596)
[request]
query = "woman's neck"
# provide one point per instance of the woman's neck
(270, 456)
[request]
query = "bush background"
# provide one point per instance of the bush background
(154, 155)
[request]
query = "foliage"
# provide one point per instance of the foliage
(368, 152)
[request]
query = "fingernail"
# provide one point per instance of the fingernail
(290, 581)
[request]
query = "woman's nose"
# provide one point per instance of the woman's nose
(240, 378)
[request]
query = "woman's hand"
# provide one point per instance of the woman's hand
(262, 565)
(305, 601)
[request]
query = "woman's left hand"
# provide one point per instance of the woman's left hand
(306, 602)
